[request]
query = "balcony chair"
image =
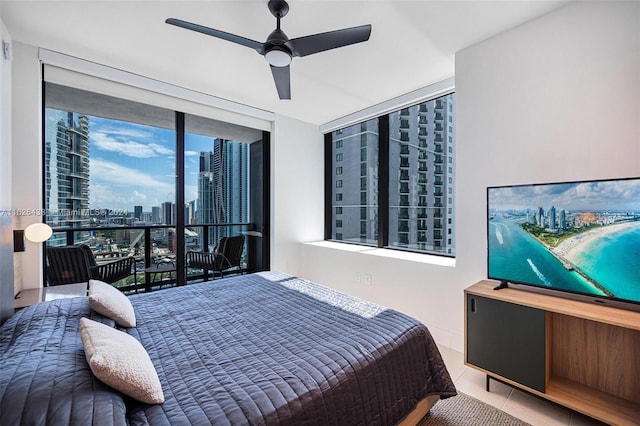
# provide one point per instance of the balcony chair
(76, 264)
(225, 257)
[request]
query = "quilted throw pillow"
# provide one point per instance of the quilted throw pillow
(110, 302)
(120, 361)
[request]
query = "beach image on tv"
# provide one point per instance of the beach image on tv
(577, 237)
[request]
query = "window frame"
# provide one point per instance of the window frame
(258, 181)
(384, 182)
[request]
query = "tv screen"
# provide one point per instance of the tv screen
(579, 238)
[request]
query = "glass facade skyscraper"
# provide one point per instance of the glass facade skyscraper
(66, 170)
(223, 187)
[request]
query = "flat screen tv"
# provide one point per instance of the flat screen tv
(574, 239)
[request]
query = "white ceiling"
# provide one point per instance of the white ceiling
(412, 44)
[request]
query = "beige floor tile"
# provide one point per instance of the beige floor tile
(473, 383)
(578, 419)
(454, 361)
(536, 411)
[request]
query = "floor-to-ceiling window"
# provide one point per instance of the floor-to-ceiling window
(109, 169)
(132, 179)
(217, 171)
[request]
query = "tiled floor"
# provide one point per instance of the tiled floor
(531, 409)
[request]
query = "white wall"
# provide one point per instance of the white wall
(6, 227)
(297, 203)
(26, 156)
(555, 99)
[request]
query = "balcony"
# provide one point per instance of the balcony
(152, 245)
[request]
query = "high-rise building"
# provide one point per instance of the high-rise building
(190, 213)
(421, 156)
(156, 215)
(223, 187)
(421, 179)
(553, 224)
(67, 171)
(168, 213)
(540, 217)
(137, 212)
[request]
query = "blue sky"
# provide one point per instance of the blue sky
(132, 164)
(602, 195)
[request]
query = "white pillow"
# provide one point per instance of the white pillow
(120, 361)
(110, 302)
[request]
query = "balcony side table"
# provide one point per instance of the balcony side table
(162, 269)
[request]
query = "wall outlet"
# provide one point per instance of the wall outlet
(367, 279)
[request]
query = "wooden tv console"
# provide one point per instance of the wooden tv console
(581, 355)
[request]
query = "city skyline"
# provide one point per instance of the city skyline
(124, 161)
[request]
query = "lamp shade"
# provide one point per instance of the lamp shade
(38, 232)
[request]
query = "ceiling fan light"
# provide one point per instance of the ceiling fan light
(278, 58)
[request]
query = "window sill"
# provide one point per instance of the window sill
(388, 253)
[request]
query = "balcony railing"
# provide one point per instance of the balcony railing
(152, 245)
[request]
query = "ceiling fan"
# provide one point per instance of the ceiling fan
(279, 49)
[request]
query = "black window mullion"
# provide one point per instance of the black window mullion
(328, 188)
(180, 249)
(383, 181)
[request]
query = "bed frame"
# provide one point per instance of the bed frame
(421, 410)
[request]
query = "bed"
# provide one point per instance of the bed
(257, 349)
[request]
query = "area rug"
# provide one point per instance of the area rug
(463, 410)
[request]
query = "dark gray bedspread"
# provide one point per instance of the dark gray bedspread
(260, 349)
(44, 375)
(269, 348)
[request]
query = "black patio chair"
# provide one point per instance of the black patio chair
(76, 264)
(224, 258)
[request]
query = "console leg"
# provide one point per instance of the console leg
(487, 385)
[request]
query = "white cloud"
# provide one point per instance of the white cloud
(161, 149)
(108, 172)
(131, 148)
(138, 196)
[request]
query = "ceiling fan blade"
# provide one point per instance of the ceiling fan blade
(303, 46)
(283, 81)
(256, 45)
